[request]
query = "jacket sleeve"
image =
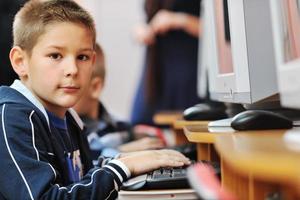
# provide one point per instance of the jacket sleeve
(25, 163)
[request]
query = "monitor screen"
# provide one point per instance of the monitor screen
(291, 29)
(286, 31)
(223, 37)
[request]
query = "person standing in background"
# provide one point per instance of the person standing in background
(169, 79)
(8, 8)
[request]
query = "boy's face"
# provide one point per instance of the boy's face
(60, 66)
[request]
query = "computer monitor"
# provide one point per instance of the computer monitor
(206, 53)
(244, 71)
(286, 29)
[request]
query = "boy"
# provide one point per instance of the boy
(43, 152)
(106, 135)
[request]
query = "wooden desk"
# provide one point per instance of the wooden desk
(174, 120)
(180, 123)
(167, 117)
(257, 164)
(178, 126)
(205, 139)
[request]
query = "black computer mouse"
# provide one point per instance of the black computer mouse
(204, 111)
(260, 120)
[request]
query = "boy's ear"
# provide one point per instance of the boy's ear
(96, 87)
(17, 58)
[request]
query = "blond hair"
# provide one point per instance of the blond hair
(32, 19)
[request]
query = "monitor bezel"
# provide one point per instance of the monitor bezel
(252, 50)
(287, 72)
(227, 89)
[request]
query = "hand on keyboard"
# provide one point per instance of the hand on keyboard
(164, 178)
(144, 161)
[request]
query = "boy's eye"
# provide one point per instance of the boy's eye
(83, 57)
(55, 56)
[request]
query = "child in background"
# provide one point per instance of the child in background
(43, 152)
(106, 135)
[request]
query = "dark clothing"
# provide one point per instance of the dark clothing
(105, 124)
(8, 8)
(33, 154)
(70, 147)
(176, 55)
(106, 133)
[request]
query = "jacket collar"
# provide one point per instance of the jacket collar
(20, 87)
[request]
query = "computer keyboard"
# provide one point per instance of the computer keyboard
(164, 178)
(168, 177)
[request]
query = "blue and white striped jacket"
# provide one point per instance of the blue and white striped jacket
(32, 165)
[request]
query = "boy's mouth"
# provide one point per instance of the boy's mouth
(70, 89)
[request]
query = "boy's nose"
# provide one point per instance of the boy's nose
(71, 68)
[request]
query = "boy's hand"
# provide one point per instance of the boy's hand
(142, 144)
(145, 161)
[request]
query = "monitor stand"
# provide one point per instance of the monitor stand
(220, 126)
(220, 123)
(231, 109)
